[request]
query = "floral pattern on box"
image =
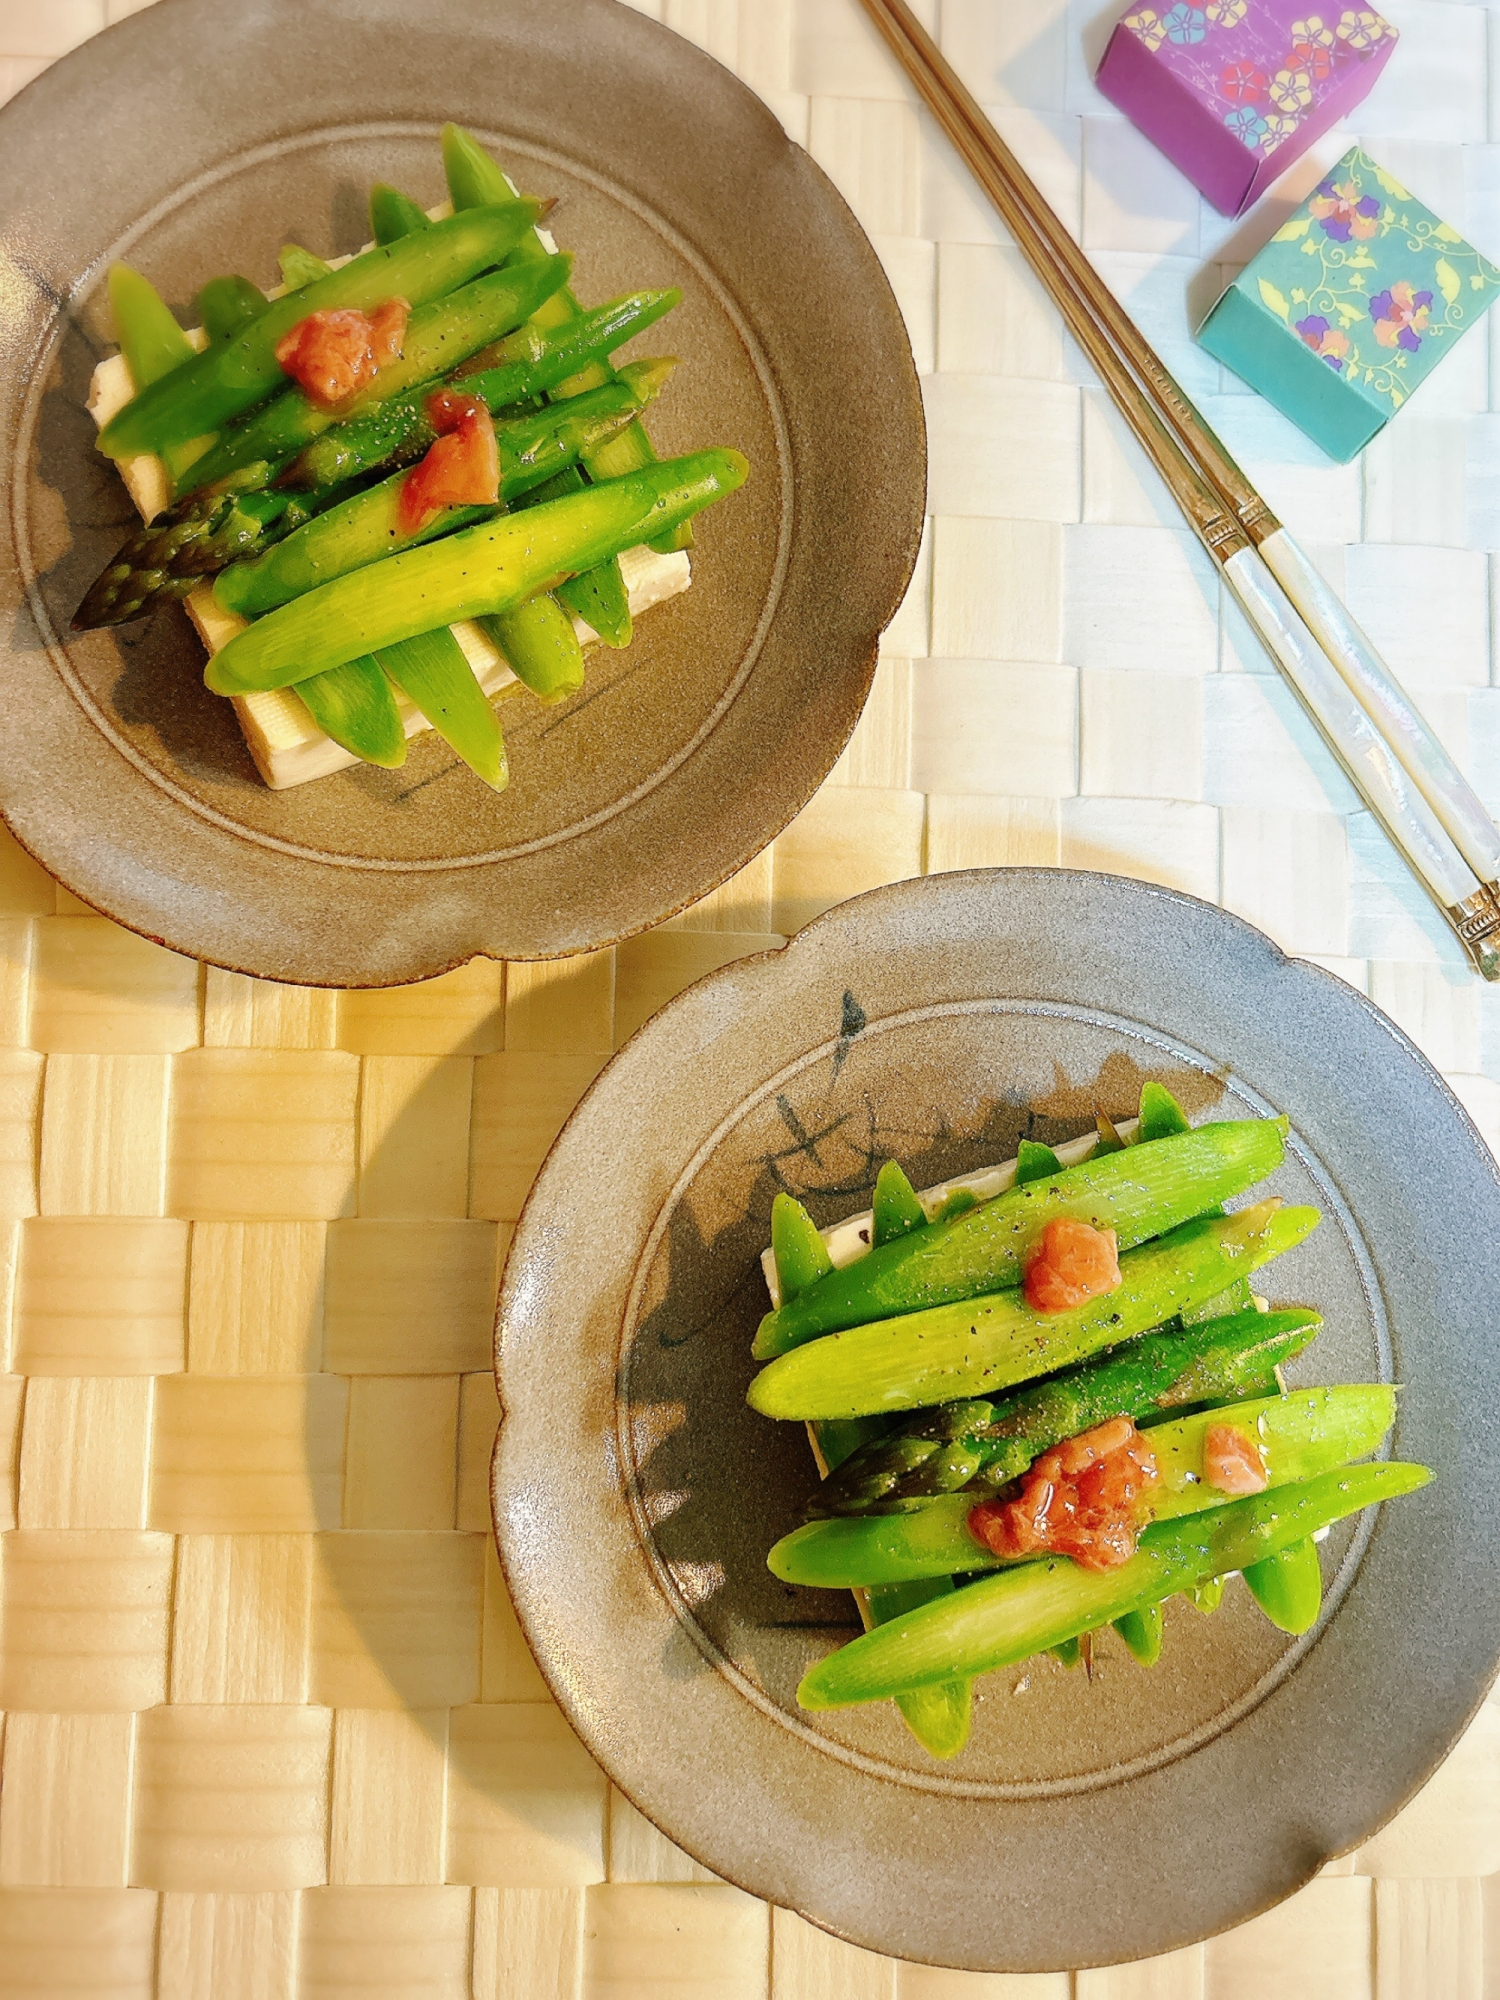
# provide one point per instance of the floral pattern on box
(1374, 283)
(1259, 72)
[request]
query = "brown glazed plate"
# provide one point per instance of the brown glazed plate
(635, 1494)
(196, 138)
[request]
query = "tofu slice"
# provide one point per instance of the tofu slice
(286, 744)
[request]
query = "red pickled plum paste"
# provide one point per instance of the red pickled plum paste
(462, 467)
(1086, 1498)
(1232, 1462)
(1073, 1262)
(333, 355)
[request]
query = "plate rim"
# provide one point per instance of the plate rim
(838, 917)
(183, 916)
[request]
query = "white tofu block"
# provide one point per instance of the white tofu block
(285, 743)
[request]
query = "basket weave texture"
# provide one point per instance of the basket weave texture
(270, 1730)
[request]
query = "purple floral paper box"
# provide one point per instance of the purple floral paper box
(1234, 90)
(1351, 304)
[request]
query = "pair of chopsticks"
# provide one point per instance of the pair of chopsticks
(1396, 764)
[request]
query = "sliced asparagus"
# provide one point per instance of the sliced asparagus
(218, 385)
(539, 641)
(1288, 1587)
(433, 672)
(394, 215)
(226, 306)
(1003, 1619)
(1139, 1192)
(368, 527)
(437, 339)
(206, 531)
(301, 267)
(524, 365)
(977, 1447)
(353, 705)
(1299, 1435)
(473, 574)
(974, 1347)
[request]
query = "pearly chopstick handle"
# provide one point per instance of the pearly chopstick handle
(1372, 766)
(1427, 763)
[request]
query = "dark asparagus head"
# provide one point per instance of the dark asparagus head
(172, 554)
(979, 1446)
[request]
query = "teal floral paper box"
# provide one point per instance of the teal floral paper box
(1350, 306)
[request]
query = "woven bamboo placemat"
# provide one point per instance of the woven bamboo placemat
(271, 1732)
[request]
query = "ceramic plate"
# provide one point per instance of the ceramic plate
(940, 1021)
(214, 134)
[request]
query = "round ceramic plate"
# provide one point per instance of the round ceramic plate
(213, 136)
(938, 1022)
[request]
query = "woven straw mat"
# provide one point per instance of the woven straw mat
(271, 1732)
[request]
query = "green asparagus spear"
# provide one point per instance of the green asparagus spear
(153, 344)
(976, 1346)
(394, 215)
(367, 527)
(1003, 1619)
(525, 364)
(801, 1254)
(598, 596)
(174, 553)
(236, 521)
(1161, 1116)
(1288, 1587)
(1300, 1434)
(433, 672)
(300, 267)
(939, 1717)
(540, 646)
(437, 338)
(352, 703)
(1138, 1192)
(978, 1447)
(894, 1210)
(1035, 1163)
(226, 306)
(473, 177)
(218, 385)
(1142, 1632)
(481, 570)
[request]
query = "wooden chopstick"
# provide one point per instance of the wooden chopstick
(1404, 775)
